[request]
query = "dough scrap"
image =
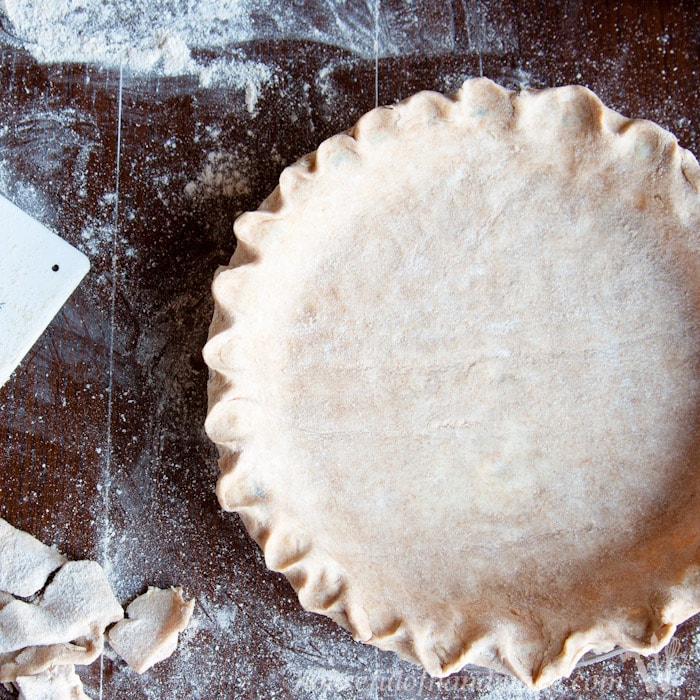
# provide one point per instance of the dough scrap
(41, 641)
(150, 634)
(77, 603)
(36, 660)
(456, 379)
(58, 683)
(25, 563)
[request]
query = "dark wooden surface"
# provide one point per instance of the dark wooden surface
(102, 449)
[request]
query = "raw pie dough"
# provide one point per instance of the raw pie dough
(455, 381)
(25, 563)
(42, 639)
(150, 634)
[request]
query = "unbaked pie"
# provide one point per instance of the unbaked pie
(456, 380)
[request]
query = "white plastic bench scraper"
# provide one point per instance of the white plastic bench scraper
(38, 272)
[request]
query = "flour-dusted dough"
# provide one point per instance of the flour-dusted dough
(40, 659)
(150, 633)
(25, 563)
(58, 683)
(456, 380)
(42, 640)
(77, 603)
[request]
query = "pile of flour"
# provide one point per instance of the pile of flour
(153, 37)
(176, 37)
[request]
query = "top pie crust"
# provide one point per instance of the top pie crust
(455, 380)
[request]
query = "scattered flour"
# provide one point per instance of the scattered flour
(171, 37)
(238, 73)
(96, 237)
(23, 194)
(221, 176)
(155, 37)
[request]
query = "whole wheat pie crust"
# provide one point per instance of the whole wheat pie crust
(456, 380)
